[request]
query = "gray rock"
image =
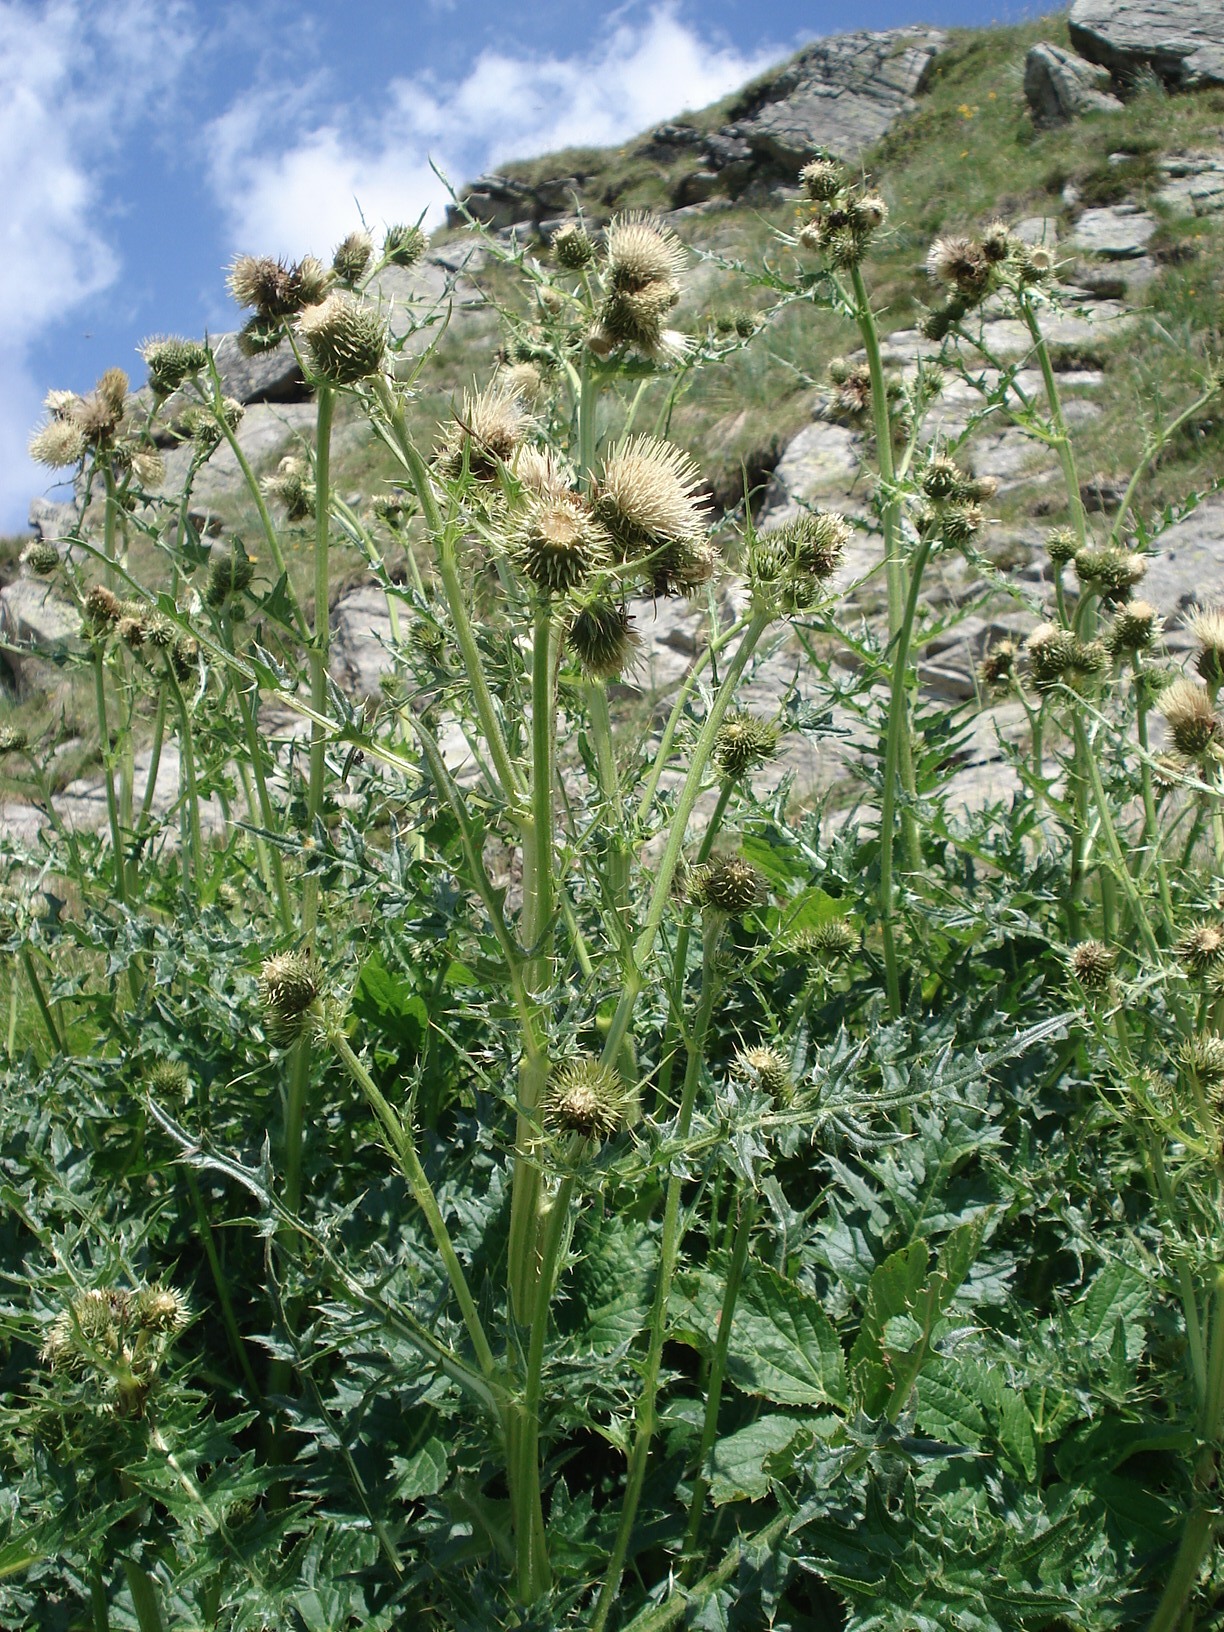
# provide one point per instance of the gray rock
(820, 459)
(1112, 281)
(51, 522)
(695, 188)
(1118, 232)
(1194, 184)
(1037, 229)
(266, 430)
(841, 93)
(362, 637)
(37, 628)
(505, 201)
(1059, 86)
(1180, 40)
(1189, 564)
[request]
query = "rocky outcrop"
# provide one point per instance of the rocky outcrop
(840, 94)
(1193, 183)
(36, 628)
(1182, 41)
(1059, 87)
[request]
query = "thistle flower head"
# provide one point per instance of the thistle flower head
(642, 251)
(41, 558)
(168, 1079)
(939, 322)
(558, 543)
(822, 179)
(404, 246)
(131, 630)
(1206, 624)
(58, 444)
(813, 544)
(572, 248)
(744, 741)
(853, 388)
(161, 1309)
(1194, 728)
(647, 496)
(229, 574)
(602, 638)
(960, 264)
(732, 885)
(103, 609)
(292, 485)
(680, 567)
(346, 338)
(541, 472)
(634, 318)
(1092, 964)
(170, 360)
(587, 1098)
(764, 1068)
(829, 942)
(868, 212)
(12, 739)
(1061, 545)
(944, 479)
(352, 255)
(274, 289)
(960, 523)
(1112, 573)
(488, 430)
(1203, 1058)
(998, 666)
(1200, 950)
(998, 242)
(290, 984)
(1133, 628)
(1051, 654)
(524, 380)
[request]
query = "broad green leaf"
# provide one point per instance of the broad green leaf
(783, 1346)
(739, 1469)
(1117, 1298)
(386, 1001)
(423, 1473)
(612, 1286)
(1016, 1436)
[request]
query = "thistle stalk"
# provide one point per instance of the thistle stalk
(646, 1415)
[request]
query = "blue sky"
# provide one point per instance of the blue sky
(145, 142)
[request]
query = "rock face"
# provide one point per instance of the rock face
(1194, 183)
(841, 93)
(1059, 87)
(1118, 232)
(32, 616)
(1180, 40)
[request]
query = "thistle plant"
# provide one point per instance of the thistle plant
(618, 1192)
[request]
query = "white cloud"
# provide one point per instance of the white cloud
(73, 77)
(290, 197)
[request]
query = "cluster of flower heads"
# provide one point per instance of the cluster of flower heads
(638, 273)
(971, 269)
(345, 336)
(952, 501)
(95, 423)
(641, 520)
(789, 565)
(140, 627)
(119, 1336)
(766, 1069)
(844, 213)
(292, 485)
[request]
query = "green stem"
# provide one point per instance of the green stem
(400, 1144)
(895, 570)
(1129, 887)
(144, 1597)
(159, 733)
(634, 978)
(1151, 834)
(718, 1367)
(319, 645)
(221, 1282)
(40, 1000)
(1062, 439)
(1150, 452)
(1184, 1574)
(645, 1417)
(108, 766)
(448, 572)
(255, 754)
(194, 847)
(897, 728)
(681, 1599)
